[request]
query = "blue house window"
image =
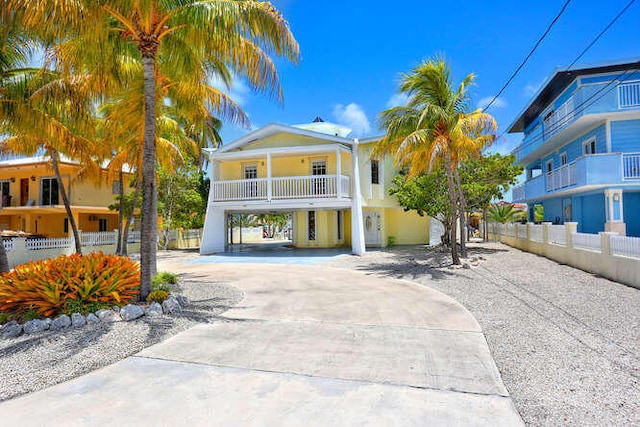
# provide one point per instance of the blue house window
(589, 147)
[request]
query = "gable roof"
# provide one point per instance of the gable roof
(558, 81)
(276, 128)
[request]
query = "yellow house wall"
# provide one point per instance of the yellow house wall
(81, 193)
(376, 195)
(326, 230)
(284, 166)
(407, 228)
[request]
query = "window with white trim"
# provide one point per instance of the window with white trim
(375, 171)
(563, 159)
(49, 192)
(589, 146)
(549, 166)
(311, 226)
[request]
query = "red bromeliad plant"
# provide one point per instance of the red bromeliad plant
(48, 286)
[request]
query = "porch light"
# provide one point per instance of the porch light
(616, 197)
(13, 179)
(33, 178)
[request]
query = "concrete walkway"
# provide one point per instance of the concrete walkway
(308, 346)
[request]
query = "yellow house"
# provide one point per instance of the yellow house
(32, 203)
(337, 194)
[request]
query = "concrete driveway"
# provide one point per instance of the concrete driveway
(308, 346)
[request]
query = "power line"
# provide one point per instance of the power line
(559, 123)
(515, 73)
(602, 33)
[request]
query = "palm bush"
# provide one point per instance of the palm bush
(52, 286)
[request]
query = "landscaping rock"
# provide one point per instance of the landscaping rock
(116, 308)
(154, 309)
(171, 306)
(60, 322)
(92, 318)
(130, 312)
(11, 329)
(78, 320)
(48, 321)
(106, 316)
(35, 326)
(182, 300)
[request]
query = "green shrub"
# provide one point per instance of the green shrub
(83, 307)
(50, 287)
(162, 280)
(4, 317)
(157, 296)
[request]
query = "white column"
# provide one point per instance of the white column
(269, 182)
(338, 173)
(214, 237)
(608, 134)
(357, 226)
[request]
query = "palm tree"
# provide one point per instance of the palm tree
(502, 213)
(184, 41)
(435, 127)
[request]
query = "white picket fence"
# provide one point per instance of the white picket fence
(46, 243)
(625, 246)
(608, 254)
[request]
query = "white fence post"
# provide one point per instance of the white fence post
(605, 245)
(545, 232)
(570, 228)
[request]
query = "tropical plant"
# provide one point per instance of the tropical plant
(164, 278)
(503, 213)
(436, 127)
(49, 286)
(180, 44)
(159, 295)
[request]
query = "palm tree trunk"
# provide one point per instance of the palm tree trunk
(463, 222)
(453, 200)
(485, 226)
(67, 206)
(134, 202)
(149, 230)
(120, 213)
(4, 259)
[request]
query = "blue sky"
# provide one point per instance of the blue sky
(353, 51)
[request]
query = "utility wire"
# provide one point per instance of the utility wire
(515, 73)
(601, 33)
(589, 46)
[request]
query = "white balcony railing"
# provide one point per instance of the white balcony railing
(518, 193)
(559, 119)
(631, 165)
(629, 95)
(564, 176)
(282, 188)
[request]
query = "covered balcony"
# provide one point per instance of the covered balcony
(592, 171)
(282, 188)
(587, 107)
(318, 174)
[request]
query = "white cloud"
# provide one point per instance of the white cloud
(498, 103)
(397, 100)
(531, 89)
(238, 90)
(354, 117)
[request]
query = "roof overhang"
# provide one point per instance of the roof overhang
(276, 128)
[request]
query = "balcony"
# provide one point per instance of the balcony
(598, 170)
(587, 107)
(282, 188)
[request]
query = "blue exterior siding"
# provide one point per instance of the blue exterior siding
(565, 95)
(591, 214)
(625, 136)
(574, 148)
(631, 203)
(606, 78)
(553, 210)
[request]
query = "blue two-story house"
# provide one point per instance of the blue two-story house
(581, 148)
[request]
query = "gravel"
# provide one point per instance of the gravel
(33, 362)
(566, 342)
